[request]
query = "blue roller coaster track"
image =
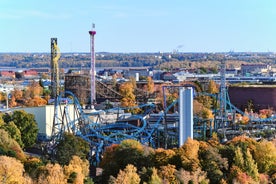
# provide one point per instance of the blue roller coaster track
(69, 116)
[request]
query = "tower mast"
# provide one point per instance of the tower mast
(92, 70)
(55, 55)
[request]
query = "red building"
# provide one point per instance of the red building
(30, 74)
(262, 97)
(7, 74)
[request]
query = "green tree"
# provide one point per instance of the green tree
(243, 160)
(27, 125)
(250, 166)
(14, 132)
(212, 162)
(69, 146)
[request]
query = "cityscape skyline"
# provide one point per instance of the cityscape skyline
(139, 26)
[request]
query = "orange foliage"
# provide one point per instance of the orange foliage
(168, 174)
(35, 102)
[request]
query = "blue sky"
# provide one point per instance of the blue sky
(139, 26)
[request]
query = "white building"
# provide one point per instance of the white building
(44, 117)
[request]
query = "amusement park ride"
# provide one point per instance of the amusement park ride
(88, 124)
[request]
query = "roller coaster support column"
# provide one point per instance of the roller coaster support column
(185, 115)
(165, 118)
(223, 112)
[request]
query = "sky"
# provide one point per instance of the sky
(139, 25)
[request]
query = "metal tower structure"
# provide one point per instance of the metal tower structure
(55, 55)
(92, 71)
(223, 100)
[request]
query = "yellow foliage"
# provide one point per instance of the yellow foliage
(128, 176)
(78, 166)
(11, 171)
(35, 102)
(52, 174)
(163, 156)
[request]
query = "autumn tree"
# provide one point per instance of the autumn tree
(187, 155)
(265, 156)
(77, 170)
(128, 175)
(212, 87)
(12, 171)
(150, 85)
(129, 99)
(128, 152)
(167, 174)
(51, 174)
(197, 176)
(10, 147)
(32, 166)
(155, 179)
(162, 157)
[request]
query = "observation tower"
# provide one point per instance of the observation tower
(92, 70)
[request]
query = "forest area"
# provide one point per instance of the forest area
(154, 60)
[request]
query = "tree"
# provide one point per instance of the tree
(51, 174)
(128, 152)
(129, 175)
(213, 87)
(12, 171)
(188, 155)
(77, 170)
(168, 174)
(27, 125)
(127, 91)
(265, 156)
(197, 176)
(69, 146)
(32, 166)
(150, 85)
(10, 147)
(243, 160)
(35, 102)
(155, 179)
(14, 132)
(162, 157)
(213, 163)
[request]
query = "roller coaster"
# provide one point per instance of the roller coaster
(91, 127)
(69, 116)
